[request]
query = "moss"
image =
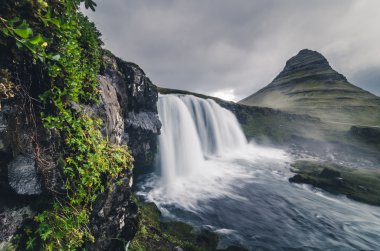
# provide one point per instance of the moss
(359, 184)
(56, 35)
(155, 234)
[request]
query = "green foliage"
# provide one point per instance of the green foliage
(90, 4)
(69, 45)
(153, 234)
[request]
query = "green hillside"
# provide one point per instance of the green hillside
(308, 85)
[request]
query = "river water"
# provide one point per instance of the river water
(209, 176)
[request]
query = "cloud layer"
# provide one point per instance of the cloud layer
(234, 48)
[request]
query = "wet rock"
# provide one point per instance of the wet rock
(368, 134)
(143, 120)
(129, 111)
(11, 219)
(298, 179)
(110, 111)
(23, 176)
(329, 173)
(31, 156)
(114, 218)
(137, 97)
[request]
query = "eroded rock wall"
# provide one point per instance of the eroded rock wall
(31, 156)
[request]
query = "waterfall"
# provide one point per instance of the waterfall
(194, 129)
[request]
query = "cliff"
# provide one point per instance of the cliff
(30, 171)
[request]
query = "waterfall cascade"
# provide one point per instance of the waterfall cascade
(211, 177)
(192, 130)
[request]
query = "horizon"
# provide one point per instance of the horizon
(231, 50)
(136, 145)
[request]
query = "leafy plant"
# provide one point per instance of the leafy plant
(68, 44)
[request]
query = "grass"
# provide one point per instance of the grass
(154, 234)
(303, 93)
(278, 128)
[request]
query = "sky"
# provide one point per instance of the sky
(233, 48)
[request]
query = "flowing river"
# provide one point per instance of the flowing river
(209, 176)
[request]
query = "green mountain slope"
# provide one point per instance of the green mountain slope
(308, 85)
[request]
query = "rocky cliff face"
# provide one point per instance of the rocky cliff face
(30, 155)
(137, 97)
(307, 64)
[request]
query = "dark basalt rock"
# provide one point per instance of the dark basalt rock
(33, 150)
(137, 97)
(28, 151)
(30, 154)
(329, 173)
(368, 134)
(308, 64)
(147, 121)
(129, 111)
(10, 221)
(114, 218)
(23, 176)
(110, 111)
(299, 179)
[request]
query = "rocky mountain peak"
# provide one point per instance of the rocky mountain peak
(306, 58)
(308, 63)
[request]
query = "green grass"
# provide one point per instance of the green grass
(154, 234)
(337, 101)
(279, 127)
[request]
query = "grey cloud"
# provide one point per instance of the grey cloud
(370, 79)
(241, 45)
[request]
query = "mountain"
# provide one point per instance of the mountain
(309, 85)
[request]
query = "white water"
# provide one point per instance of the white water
(194, 129)
(211, 177)
(198, 144)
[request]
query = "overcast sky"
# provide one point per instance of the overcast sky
(232, 48)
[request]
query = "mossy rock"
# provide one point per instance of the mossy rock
(155, 234)
(357, 183)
